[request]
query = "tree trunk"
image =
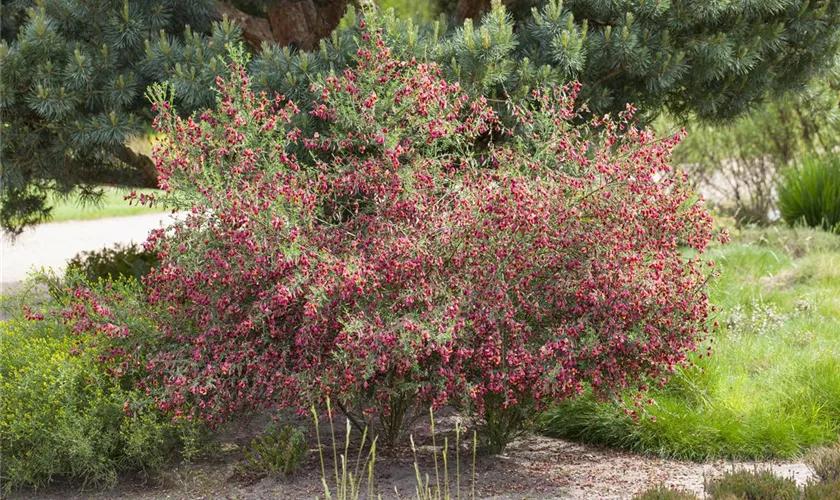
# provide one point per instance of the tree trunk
(474, 9)
(147, 174)
(471, 9)
(300, 23)
(255, 30)
(303, 23)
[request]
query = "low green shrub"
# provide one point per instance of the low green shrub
(826, 463)
(663, 492)
(71, 404)
(753, 485)
(279, 450)
(117, 261)
(823, 490)
(810, 193)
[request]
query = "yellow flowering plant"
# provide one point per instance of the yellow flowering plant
(71, 404)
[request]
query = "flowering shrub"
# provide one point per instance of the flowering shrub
(417, 251)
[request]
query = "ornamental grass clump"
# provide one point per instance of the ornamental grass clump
(416, 251)
(810, 193)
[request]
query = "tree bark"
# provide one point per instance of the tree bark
(471, 9)
(255, 30)
(300, 23)
(147, 174)
(303, 23)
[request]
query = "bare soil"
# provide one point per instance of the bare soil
(535, 467)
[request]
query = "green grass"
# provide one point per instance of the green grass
(111, 204)
(771, 389)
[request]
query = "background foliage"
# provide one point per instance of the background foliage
(739, 165)
(119, 261)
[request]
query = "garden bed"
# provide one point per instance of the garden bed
(533, 467)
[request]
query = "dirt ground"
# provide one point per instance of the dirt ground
(535, 467)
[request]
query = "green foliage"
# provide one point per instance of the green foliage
(418, 10)
(771, 387)
(794, 241)
(53, 421)
(71, 91)
(723, 56)
(74, 72)
(64, 413)
(663, 492)
(127, 261)
(824, 490)
(661, 56)
(810, 193)
(826, 463)
(738, 164)
(753, 485)
(279, 450)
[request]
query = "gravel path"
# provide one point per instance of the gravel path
(52, 244)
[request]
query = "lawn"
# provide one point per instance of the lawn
(112, 204)
(772, 386)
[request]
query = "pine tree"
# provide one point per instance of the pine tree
(74, 72)
(73, 78)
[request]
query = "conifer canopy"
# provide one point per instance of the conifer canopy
(74, 72)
